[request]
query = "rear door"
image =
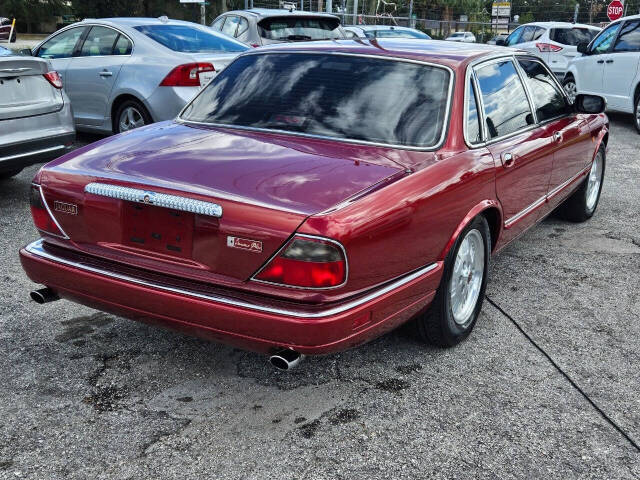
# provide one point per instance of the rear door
(621, 67)
(523, 152)
(60, 48)
(93, 72)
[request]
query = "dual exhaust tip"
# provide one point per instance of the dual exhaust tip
(285, 359)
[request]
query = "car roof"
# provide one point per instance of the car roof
(279, 12)
(561, 24)
(450, 54)
(136, 21)
(369, 28)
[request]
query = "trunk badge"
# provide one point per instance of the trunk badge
(245, 244)
(63, 207)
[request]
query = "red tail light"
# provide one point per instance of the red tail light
(40, 213)
(307, 262)
(187, 75)
(255, 45)
(54, 79)
(548, 47)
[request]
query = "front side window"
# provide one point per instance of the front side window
(473, 118)
(338, 96)
(187, 39)
(547, 97)
(514, 37)
(217, 25)
(395, 34)
(295, 28)
(62, 45)
(629, 39)
(99, 42)
(603, 41)
(506, 107)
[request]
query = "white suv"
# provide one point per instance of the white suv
(553, 42)
(464, 37)
(609, 67)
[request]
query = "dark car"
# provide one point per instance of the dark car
(262, 26)
(5, 29)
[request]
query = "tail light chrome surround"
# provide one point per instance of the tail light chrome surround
(61, 233)
(148, 197)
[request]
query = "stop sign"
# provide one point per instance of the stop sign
(614, 10)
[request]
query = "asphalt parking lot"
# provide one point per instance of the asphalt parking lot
(89, 395)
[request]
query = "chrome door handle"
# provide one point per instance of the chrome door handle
(557, 136)
(106, 73)
(508, 159)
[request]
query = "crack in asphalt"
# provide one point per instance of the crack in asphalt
(577, 387)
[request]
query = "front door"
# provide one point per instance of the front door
(590, 67)
(59, 50)
(92, 74)
(522, 152)
(621, 66)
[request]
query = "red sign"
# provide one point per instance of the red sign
(615, 10)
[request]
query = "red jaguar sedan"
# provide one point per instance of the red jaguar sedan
(314, 196)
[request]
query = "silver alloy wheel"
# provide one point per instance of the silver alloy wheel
(594, 181)
(571, 90)
(638, 114)
(130, 118)
(466, 280)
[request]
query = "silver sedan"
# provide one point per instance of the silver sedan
(35, 114)
(122, 73)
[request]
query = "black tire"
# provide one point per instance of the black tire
(578, 208)
(9, 174)
(567, 84)
(636, 112)
(437, 325)
(130, 105)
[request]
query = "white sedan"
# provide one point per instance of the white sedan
(465, 37)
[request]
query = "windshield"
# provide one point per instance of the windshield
(183, 38)
(339, 96)
(294, 28)
(395, 34)
(461, 34)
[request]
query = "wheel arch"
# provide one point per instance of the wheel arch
(119, 100)
(492, 211)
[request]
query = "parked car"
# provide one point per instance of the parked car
(35, 114)
(301, 217)
(554, 42)
(385, 31)
(609, 66)
(464, 37)
(5, 29)
(263, 26)
(122, 73)
(498, 39)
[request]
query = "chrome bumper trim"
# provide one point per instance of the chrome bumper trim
(149, 197)
(37, 249)
(32, 153)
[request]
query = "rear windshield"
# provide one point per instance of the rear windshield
(395, 34)
(572, 36)
(294, 28)
(338, 96)
(183, 38)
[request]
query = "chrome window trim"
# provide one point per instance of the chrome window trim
(157, 199)
(56, 34)
(470, 80)
(296, 287)
(445, 122)
(36, 249)
(527, 92)
(83, 25)
(105, 56)
(46, 206)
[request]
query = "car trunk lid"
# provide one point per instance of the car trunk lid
(24, 91)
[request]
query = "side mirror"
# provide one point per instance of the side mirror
(501, 42)
(590, 103)
(583, 48)
(26, 52)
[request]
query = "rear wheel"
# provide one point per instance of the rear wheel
(582, 204)
(458, 301)
(569, 85)
(9, 174)
(131, 114)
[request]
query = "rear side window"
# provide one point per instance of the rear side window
(505, 102)
(547, 98)
(338, 96)
(572, 36)
(123, 46)
(296, 28)
(183, 38)
(527, 34)
(243, 27)
(62, 45)
(473, 118)
(231, 26)
(629, 39)
(217, 25)
(99, 42)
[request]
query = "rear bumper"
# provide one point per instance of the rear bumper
(166, 102)
(251, 323)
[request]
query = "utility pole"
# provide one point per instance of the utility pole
(329, 6)
(411, 14)
(203, 14)
(355, 12)
(575, 13)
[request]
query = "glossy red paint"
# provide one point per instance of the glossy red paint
(394, 211)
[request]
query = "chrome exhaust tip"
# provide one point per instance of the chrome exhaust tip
(44, 295)
(286, 359)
